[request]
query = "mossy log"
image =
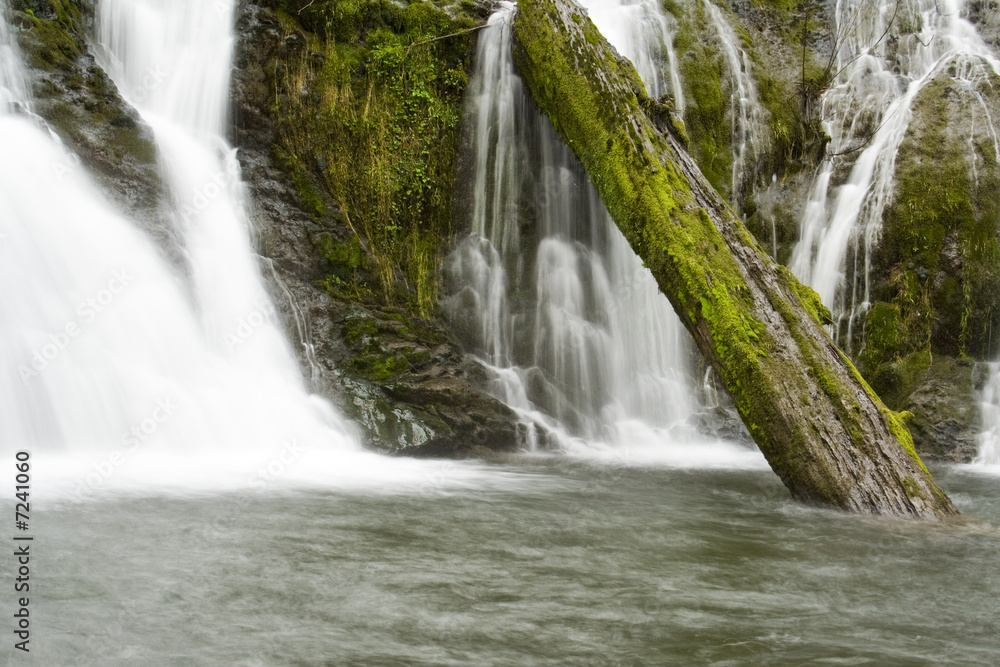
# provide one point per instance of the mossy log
(823, 430)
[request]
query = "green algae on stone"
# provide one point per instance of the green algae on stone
(382, 83)
(935, 276)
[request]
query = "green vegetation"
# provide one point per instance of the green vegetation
(783, 372)
(788, 71)
(708, 101)
(75, 96)
(369, 113)
(936, 278)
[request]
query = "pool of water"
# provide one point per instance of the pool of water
(566, 563)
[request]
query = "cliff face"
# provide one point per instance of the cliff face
(351, 175)
(936, 268)
(934, 263)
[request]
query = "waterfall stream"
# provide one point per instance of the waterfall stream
(119, 369)
(750, 132)
(13, 89)
(579, 337)
(642, 32)
(866, 114)
(989, 440)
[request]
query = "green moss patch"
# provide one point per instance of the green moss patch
(369, 114)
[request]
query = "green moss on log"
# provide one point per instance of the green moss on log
(746, 316)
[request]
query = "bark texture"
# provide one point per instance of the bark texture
(824, 431)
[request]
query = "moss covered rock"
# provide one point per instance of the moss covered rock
(306, 99)
(936, 267)
(787, 45)
(78, 100)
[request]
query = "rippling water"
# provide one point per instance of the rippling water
(561, 563)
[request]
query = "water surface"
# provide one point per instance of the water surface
(575, 564)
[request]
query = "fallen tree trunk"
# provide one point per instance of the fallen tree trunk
(823, 430)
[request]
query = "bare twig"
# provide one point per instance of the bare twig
(454, 34)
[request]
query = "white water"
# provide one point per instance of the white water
(866, 115)
(750, 132)
(989, 440)
(581, 342)
(116, 371)
(13, 87)
(642, 32)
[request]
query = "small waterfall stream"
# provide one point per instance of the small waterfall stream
(750, 132)
(582, 343)
(13, 88)
(989, 439)
(642, 32)
(866, 113)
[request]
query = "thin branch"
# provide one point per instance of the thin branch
(454, 34)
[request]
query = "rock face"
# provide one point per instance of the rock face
(402, 377)
(824, 432)
(786, 48)
(935, 265)
(936, 268)
(947, 421)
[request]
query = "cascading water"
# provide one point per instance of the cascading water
(750, 133)
(13, 90)
(118, 371)
(866, 114)
(582, 343)
(989, 439)
(643, 33)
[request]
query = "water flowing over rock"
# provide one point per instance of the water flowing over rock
(581, 341)
(105, 330)
(889, 52)
(403, 378)
(110, 342)
(989, 440)
(750, 133)
(759, 327)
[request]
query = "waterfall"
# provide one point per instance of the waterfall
(13, 89)
(866, 114)
(643, 33)
(989, 439)
(119, 369)
(580, 340)
(750, 132)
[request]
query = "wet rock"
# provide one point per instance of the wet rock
(83, 106)
(403, 379)
(946, 416)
